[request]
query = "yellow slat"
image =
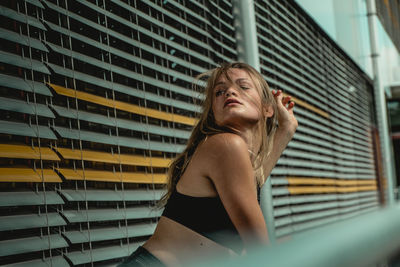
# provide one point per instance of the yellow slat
(142, 161)
(28, 175)
(308, 106)
(50, 176)
(87, 155)
(155, 178)
(328, 181)
(26, 152)
(123, 106)
(47, 154)
(294, 190)
(108, 176)
(97, 156)
(18, 175)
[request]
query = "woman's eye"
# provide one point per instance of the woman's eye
(219, 92)
(244, 87)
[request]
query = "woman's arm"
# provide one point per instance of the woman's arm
(287, 127)
(229, 167)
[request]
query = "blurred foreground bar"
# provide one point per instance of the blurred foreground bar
(372, 239)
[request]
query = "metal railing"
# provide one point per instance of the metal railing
(371, 239)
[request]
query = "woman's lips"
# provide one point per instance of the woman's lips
(231, 101)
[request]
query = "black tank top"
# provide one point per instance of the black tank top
(206, 216)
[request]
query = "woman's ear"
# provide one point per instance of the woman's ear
(268, 111)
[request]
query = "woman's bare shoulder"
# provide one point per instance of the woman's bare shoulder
(223, 153)
(223, 143)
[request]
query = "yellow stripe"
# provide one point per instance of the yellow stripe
(50, 176)
(28, 175)
(107, 176)
(308, 106)
(123, 106)
(87, 155)
(328, 181)
(293, 190)
(156, 178)
(142, 161)
(26, 152)
(124, 159)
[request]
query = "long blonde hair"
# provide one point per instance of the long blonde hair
(207, 126)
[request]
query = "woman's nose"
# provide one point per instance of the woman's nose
(230, 91)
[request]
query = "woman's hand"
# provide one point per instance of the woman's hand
(286, 120)
(287, 127)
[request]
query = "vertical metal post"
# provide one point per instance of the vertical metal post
(247, 48)
(267, 207)
(380, 104)
(246, 33)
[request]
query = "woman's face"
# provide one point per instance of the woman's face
(236, 103)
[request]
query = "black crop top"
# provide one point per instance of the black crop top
(206, 216)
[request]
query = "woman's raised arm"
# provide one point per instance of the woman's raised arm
(286, 129)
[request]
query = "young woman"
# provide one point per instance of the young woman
(212, 203)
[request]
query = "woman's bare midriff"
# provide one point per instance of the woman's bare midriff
(175, 244)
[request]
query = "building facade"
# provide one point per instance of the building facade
(96, 99)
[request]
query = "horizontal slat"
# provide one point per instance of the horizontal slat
(347, 146)
(291, 229)
(36, 3)
(275, 45)
(9, 13)
(330, 159)
(120, 123)
(143, 229)
(17, 128)
(107, 84)
(284, 38)
(308, 106)
(58, 261)
(150, 19)
(362, 136)
(312, 207)
(22, 62)
(125, 159)
(203, 19)
(150, 49)
(123, 106)
(304, 208)
(31, 244)
(101, 254)
(9, 199)
(22, 39)
(112, 195)
(293, 68)
(108, 176)
(27, 152)
(23, 129)
(299, 199)
(115, 68)
(340, 216)
(341, 152)
(341, 158)
(325, 181)
(97, 215)
(279, 170)
(24, 85)
(348, 138)
(30, 221)
(25, 107)
(28, 175)
(328, 189)
(298, 218)
(117, 140)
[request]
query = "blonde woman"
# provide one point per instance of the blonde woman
(212, 202)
